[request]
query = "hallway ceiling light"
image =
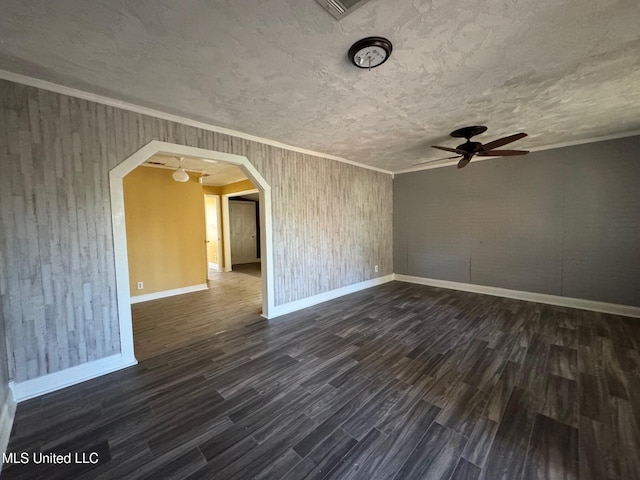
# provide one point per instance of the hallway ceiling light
(180, 175)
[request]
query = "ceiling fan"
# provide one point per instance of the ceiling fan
(466, 151)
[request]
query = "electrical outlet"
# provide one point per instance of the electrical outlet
(141, 285)
(375, 268)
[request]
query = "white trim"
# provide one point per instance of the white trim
(92, 97)
(121, 266)
(101, 99)
(613, 308)
(326, 296)
(6, 422)
(120, 233)
(603, 138)
(226, 226)
(227, 237)
(168, 293)
(226, 244)
(70, 376)
(210, 265)
(446, 163)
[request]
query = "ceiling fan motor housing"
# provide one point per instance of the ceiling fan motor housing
(470, 147)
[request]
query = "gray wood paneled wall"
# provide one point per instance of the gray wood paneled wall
(4, 371)
(563, 222)
(332, 221)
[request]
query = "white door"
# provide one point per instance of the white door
(243, 232)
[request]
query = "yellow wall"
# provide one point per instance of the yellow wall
(240, 186)
(165, 231)
(211, 190)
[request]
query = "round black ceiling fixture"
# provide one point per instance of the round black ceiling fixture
(370, 52)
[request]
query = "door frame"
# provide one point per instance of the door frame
(219, 230)
(226, 229)
(116, 176)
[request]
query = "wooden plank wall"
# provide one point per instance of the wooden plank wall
(332, 221)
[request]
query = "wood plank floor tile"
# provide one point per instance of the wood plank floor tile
(398, 381)
(553, 451)
(323, 458)
(479, 444)
(393, 451)
(358, 457)
(466, 470)
(561, 400)
(595, 462)
(508, 451)
(463, 409)
(563, 362)
(374, 410)
(435, 456)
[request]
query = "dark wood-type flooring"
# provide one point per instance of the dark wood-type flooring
(399, 381)
(233, 298)
(253, 269)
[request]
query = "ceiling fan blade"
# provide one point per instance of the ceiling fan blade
(447, 149)
(437, 160)
(502, 141)
(464, 161)
(502, 153)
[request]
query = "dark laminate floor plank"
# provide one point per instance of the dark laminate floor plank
(433, 382)
(440, 389)
(374, 410)
(566, 337)
(563, 362)
(391, 453)
(561, 400)
(553, 451)
(595, 461)
(435, 456)
(501, 393)
(508, 451)
(262, 458)
(323, 458)
(462, 411)
(266, 415)
(179, 468)
(485, 373)
(360, 389)
(480, 441)
(534, 366)
(403, 406)
(322, 431)
(358, 457)
(593, 397)
(466, 470)
(626, 440)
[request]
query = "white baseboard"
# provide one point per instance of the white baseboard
(168, 293)
(6, 422)
(70, 376)
(581, 304)
(279, 310)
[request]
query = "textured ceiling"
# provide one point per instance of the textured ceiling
(560, 70)
(217, 174)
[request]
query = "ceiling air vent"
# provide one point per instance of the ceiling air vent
(341, 8)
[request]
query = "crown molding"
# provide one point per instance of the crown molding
(112, 102)
(572, 143)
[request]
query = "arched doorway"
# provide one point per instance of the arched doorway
(116, 176)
